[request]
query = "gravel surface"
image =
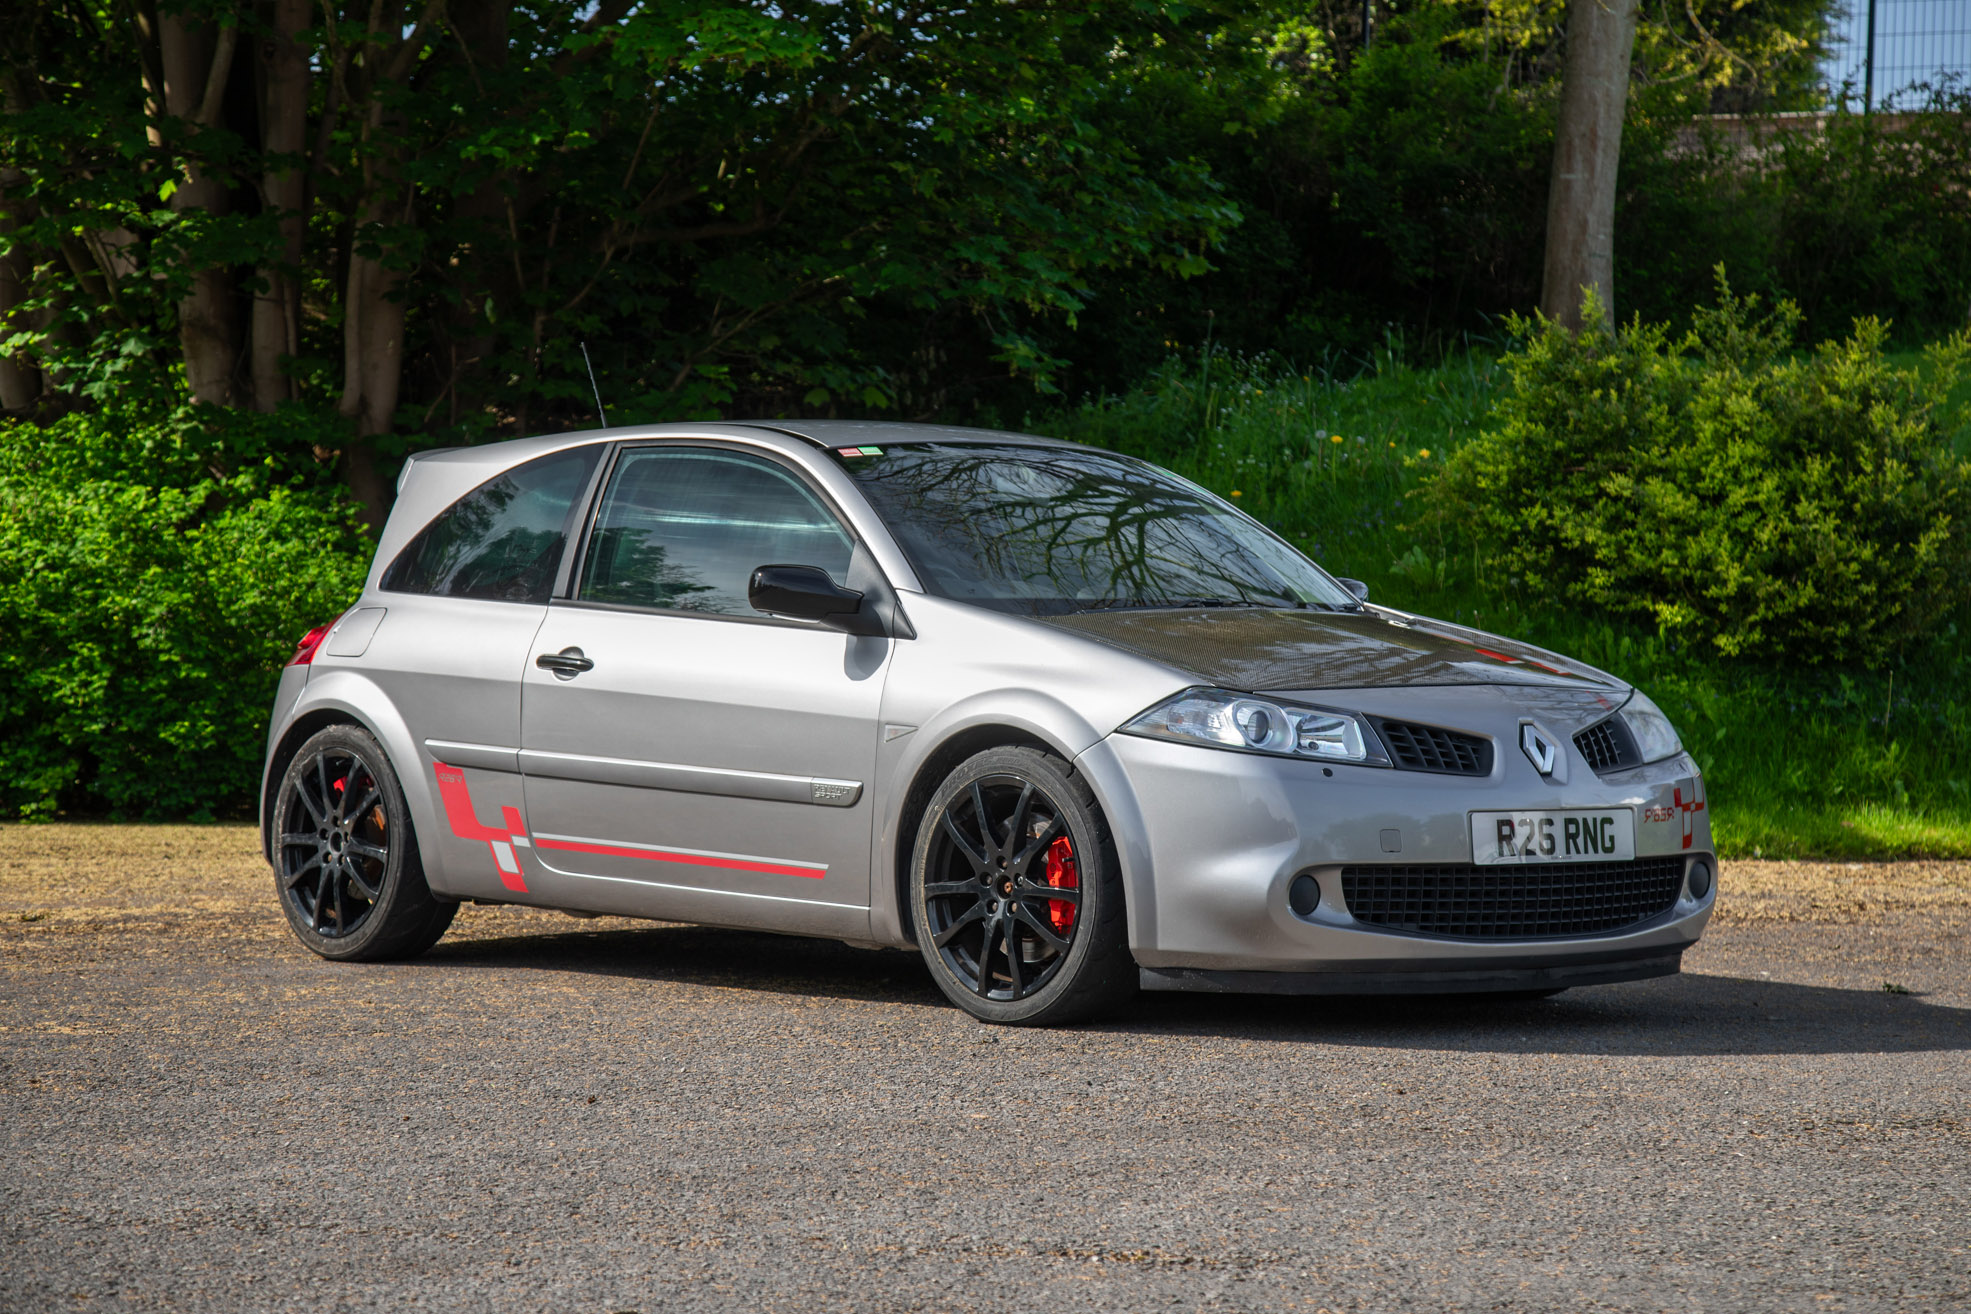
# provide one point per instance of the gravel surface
(551, 1114)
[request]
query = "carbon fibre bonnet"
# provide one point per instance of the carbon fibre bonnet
(1259, 649)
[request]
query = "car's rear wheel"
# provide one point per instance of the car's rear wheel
(1016, 893)
(346, 861)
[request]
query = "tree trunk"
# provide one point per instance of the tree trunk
(372, 313)
(372, 369)
(276, 325)
(480, 217)
(1601, 36)
(197, 60)
(20, 381)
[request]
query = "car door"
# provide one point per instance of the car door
(684, 755)
(461, 605)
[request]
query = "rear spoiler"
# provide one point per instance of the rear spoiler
(415, 457)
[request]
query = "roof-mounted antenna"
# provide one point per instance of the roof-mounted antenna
(600, 414)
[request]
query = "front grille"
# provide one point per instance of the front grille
(1431, 748)
(1607, 746)
(1517, 902)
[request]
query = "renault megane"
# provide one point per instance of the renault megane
(1062, 721)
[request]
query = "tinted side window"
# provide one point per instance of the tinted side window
(503, 540)
(686, 529)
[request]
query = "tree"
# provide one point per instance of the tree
(399, 221)
(1601, 37)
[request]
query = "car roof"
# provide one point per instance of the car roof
(447, 473)
(488, 459)
(857, 433)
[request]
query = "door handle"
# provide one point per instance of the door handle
(566, 664)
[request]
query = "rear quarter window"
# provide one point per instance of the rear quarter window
(503, 541)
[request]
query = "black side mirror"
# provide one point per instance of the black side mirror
(807, 593)
(1357, 587)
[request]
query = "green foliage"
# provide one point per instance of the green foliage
(1407, 185)
(738, 204)
(1749, 502)
(1852, 216)
(1872, 216)
(160, 572)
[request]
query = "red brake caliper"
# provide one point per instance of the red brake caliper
(1062, 874)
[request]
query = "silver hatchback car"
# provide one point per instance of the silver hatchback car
(1066, 723)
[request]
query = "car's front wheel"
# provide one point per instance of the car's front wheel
(346, 861)
(1016, 893)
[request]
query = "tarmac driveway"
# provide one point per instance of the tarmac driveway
(551, 1114)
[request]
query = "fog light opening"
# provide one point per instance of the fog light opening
(1304, 895)
(1700, 880)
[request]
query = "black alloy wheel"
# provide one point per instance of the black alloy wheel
(1003, 909)
(346, 861)
(334, 868)
(1016, 895)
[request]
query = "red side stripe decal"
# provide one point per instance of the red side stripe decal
(465, 824)
(688, 859)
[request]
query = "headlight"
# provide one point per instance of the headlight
(1223, 719)
(1655, 737)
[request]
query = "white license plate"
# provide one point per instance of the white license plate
(1563, 835)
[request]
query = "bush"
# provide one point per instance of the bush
(1874, 217)
(158, 579)
(1752, 501)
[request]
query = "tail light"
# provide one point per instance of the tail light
(304, 651)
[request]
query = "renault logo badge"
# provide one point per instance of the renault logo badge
(1543, 751)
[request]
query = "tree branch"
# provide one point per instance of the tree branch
(142, 17)
(216, 76)
(607, 14)
(409, 48)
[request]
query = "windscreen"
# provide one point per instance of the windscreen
(1050, 530)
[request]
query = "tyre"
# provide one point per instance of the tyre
(1016, 893)
(346, 862)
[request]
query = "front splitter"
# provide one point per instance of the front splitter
(1419, 979)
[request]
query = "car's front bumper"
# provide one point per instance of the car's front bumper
(1211, 843)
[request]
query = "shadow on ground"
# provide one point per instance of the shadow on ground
(1690, 1014)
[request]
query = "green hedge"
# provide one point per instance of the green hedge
(1749, 500)
(158, 578)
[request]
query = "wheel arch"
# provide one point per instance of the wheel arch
(931, 771)
(343, 698)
